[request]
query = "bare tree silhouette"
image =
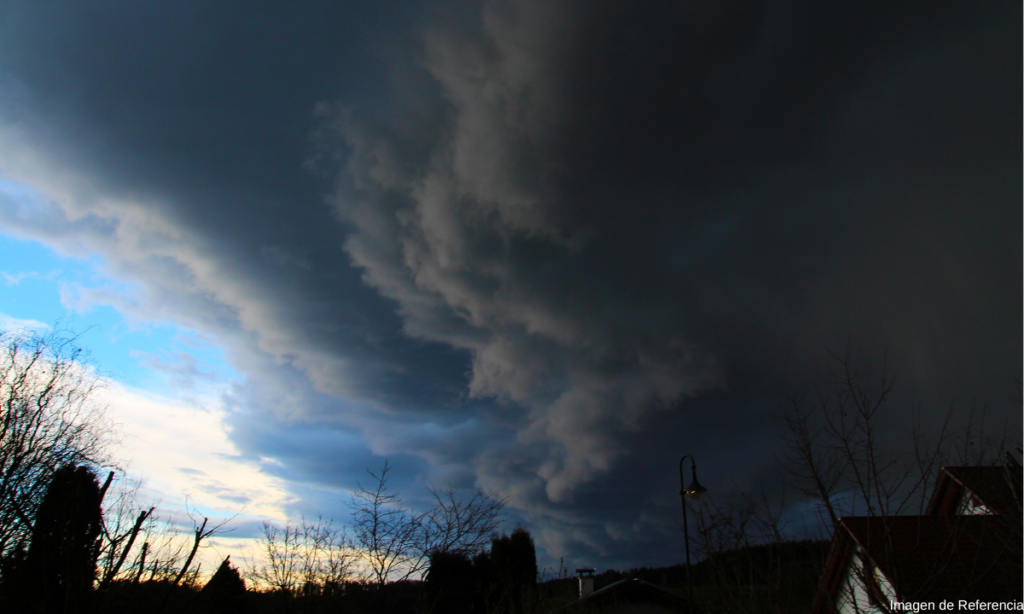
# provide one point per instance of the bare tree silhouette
(48, 419)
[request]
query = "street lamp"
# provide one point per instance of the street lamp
(694, 491)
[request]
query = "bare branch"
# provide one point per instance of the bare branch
(47, 420)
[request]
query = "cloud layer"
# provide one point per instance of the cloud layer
(562, 244)
(611, 209)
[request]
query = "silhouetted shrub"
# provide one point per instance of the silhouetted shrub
(513, 570)
(225, 592)
(451, 582)
(12, 582)
(58, 571)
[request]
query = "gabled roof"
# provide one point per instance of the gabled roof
(835, 566)
(998, 488)
(627, 592)
(930, 558)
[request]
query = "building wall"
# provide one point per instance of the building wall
(971, 506)
(852, 597)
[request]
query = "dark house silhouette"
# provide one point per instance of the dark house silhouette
(967, 547)
(977, 490)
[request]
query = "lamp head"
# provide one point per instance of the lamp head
(695, 490)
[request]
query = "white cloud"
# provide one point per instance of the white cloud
(9, 323)
(179, 450)
(15, 279)
(186, 463)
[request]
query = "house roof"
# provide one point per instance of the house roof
(835, 567)
(627, 591)
(931, 558)
(998, 488)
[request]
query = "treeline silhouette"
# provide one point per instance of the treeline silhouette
(780, 577)
(62, 552)
(502, 579)
(56, 571)
(783, 562)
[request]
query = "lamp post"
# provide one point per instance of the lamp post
(694, 491)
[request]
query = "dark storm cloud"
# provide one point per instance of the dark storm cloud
(622, 205)
(619, 210)
(586, 237)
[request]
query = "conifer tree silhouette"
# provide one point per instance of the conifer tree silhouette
(514, 568)
(451, 582)
(225, 592)
(58, 572)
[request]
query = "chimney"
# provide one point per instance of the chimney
(586, 575)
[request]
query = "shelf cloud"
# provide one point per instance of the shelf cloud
(538, 247)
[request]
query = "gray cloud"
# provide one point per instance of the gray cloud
(606, 239)
(563, 245)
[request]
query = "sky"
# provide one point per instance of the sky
(537, 247)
